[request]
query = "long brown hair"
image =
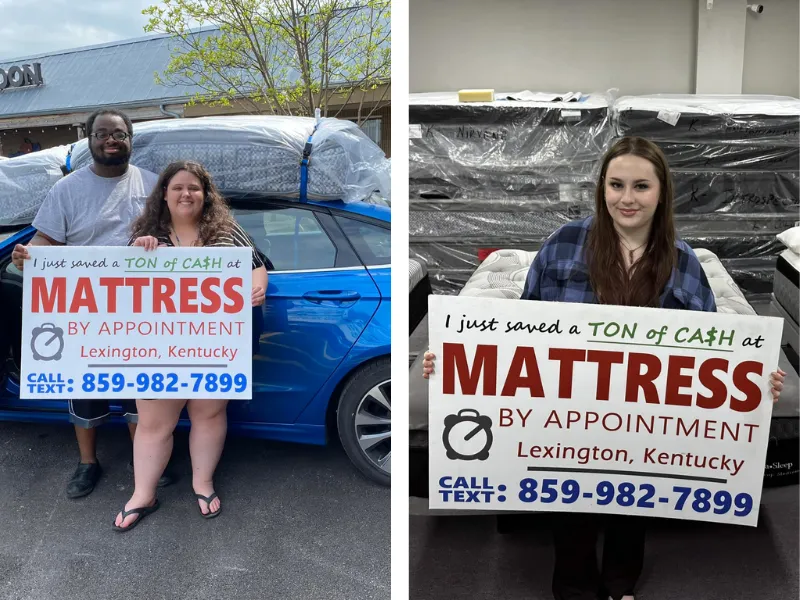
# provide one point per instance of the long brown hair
(215, 221)
(607, 274)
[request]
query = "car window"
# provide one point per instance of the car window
(292, 238)
(373, 244)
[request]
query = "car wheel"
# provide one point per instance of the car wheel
(364, 419)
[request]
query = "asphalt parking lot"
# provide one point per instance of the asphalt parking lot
(298, 522)
(464, 557)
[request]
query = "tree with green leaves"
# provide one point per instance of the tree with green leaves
(286, 57)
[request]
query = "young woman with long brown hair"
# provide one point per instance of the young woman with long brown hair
(184, 209)
(625, 254)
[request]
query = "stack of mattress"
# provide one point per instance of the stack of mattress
(263, 153)
(419, 288)
(786, 289)
(486, 175)
(25, 181)
(735, 162)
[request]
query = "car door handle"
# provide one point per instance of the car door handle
(333, 295)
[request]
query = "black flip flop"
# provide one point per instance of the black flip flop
(207, 500)
(142, 512)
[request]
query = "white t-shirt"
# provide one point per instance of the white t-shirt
(84, 209)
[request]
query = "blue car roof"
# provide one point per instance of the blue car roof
(364, 209)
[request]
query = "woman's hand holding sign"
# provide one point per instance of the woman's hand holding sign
(427, 364)
(148, 242)
(19, 255)
(258, 295)
(776, 383)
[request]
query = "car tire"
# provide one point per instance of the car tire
(363, 418)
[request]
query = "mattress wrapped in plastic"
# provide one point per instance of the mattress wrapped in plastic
(263, 154)
(453, 243)
(736, 192)
(503, 147)
(25, 181)
(741, 118)
(479, 183)
(787, 283)
(750, 156)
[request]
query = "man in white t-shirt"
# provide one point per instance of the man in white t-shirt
(94, 206)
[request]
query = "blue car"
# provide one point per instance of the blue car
(321, 343)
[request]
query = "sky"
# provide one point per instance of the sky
(30, 27)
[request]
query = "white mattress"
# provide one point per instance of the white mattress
(592, 101)
(784, 290)
(416, 273)
(712, 104)
(503, 273)
(792, 257)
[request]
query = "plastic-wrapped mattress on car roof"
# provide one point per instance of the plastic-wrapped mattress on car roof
(263, 154)
(25, 181)
(683, 118)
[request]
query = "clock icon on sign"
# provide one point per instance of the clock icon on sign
(47, 342)
(467, 435)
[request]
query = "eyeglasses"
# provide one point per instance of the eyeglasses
(120, 136)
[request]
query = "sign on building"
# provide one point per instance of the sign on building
(21, 76)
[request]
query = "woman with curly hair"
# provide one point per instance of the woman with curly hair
(184, 210)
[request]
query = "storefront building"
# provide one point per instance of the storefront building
(45, 100)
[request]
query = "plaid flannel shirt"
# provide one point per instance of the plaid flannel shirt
(559, 273)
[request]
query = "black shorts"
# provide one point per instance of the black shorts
(91, 413)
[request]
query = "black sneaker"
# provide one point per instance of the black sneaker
(167, 478)
(83, 480)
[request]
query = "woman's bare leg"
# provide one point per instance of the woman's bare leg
(152, 447)
(209, 427)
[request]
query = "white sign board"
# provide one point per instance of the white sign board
(543, 406)
(125, 323)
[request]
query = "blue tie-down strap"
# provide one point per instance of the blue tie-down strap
(304, 167)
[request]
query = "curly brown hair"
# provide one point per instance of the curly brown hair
(215, 221)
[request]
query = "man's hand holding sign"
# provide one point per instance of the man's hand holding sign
(591, 408)
(126, 323)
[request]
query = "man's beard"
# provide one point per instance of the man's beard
(121, 158)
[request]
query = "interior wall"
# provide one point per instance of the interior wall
(772, 50)
(637, 46)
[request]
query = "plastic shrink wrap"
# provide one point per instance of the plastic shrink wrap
(25, 181)
(503, 147)
(263, 154)
(490, 178)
